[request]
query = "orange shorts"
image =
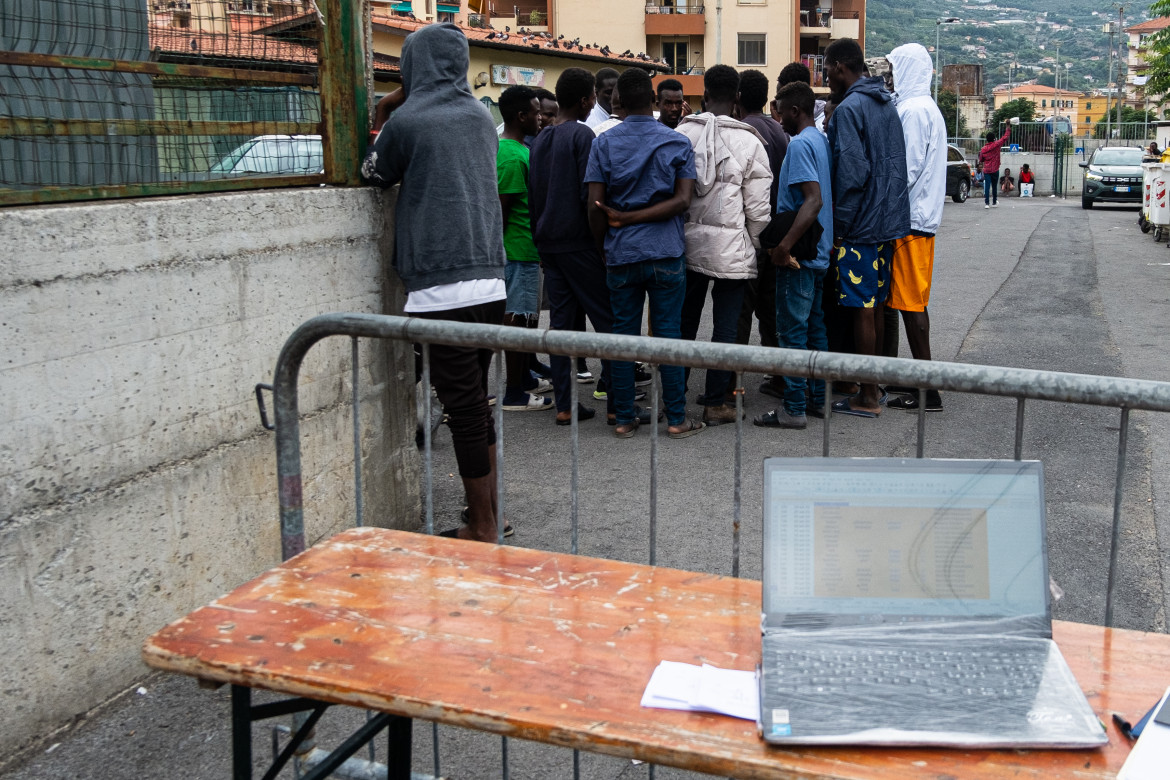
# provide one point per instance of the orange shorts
(911, 271)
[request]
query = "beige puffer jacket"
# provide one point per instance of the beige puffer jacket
(731, 205)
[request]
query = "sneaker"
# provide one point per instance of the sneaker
(986, 206)
(718, 415)
(780, 418)
(585, 377)
(909, 402)
(642, 377)
(602, 395)
(527, 402)
(541, 387)
(995, 205)
(643, 416)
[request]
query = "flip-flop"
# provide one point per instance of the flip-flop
(844, 407)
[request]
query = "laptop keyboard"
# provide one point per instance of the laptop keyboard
(962, 670)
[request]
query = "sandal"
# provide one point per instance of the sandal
(693, 427)
(583, 413)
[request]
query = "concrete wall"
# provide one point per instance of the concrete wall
(135, 480)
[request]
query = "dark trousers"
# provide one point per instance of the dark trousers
(460, 378)
(759, 299)
(726, 302)
(576, 286)
(838, 319)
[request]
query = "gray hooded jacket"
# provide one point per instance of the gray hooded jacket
(441, 145)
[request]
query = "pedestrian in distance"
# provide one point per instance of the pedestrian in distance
(988, 163)
(1007, 185)
(520, 109)
(1027, 181)
(641, 176)
(871, 207)
(730, 208)
(452, 268)
(806, 188)
(912, 264)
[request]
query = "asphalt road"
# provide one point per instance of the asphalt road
(1035, 284)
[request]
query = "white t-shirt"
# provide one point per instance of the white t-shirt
(456, 295)
(597, 116)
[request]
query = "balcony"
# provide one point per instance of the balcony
(664, 18)
(816, 21)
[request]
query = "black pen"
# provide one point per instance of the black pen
(1124, 726)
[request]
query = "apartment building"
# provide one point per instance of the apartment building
(1050, 102)
(687, 35)
(1135, 79)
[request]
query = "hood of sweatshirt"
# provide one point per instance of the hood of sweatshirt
(711, 147)
(912, 70)
(872, 87)
(435, 59)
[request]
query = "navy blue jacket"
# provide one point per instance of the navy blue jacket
(871, 203)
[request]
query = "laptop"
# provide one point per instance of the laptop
(906, 603)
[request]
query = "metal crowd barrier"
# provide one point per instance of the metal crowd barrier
(1022, 384)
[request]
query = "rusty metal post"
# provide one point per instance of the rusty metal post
(345, 100)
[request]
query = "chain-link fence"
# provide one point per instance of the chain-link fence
(111, 98)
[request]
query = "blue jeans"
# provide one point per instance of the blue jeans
(990, 187)
(800, 324)
(726, 303)
(664, 283)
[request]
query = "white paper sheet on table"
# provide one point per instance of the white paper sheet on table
(1151, 753)
(706, 688)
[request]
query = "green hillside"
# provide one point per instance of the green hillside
(1022, 31)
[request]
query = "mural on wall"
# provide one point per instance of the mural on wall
(510, 74)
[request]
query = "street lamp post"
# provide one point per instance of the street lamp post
(938, 23)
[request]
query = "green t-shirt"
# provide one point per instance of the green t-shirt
(512, 179)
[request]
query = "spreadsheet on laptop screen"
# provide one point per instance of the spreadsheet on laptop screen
(900, 538)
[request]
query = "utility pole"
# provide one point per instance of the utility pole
(1108, 27)
(1120, 98)
(938, 23)
(1056, 81)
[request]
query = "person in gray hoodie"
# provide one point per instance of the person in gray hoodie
(448, 239)
(871, 206)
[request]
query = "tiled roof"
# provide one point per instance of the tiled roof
(198, 47)
(534, 43)
(1152, 25)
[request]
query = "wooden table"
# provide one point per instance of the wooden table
(558, 648)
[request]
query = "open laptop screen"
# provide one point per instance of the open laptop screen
(891, 540)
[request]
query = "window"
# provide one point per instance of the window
(954, 155)
(675, 54)
(1088, 106)
(1044, 103)
(753, 49)
(445, 16)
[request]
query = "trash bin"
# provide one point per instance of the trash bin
(1156, 181)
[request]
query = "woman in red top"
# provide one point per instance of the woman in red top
(989, 164)
(1027, 180)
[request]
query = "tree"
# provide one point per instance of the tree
(948, 105)
(1133, 124)
(1157, 55)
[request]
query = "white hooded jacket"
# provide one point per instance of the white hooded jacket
(926, 136)
(731, 205)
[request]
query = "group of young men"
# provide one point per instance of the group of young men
(626, 213)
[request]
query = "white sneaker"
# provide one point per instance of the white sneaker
(529, 403)
(995, 205)
(585, 377)
(542, 386)
(986, 206)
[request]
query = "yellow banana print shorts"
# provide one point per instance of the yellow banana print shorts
(863, 274)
